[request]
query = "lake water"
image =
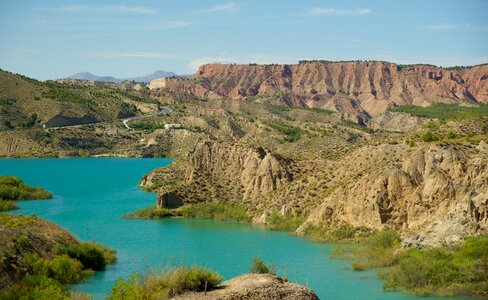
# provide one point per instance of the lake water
(91, 195)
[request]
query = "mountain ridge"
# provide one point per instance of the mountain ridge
(364, 89)
(145, 79)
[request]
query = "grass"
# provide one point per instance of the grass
(12, 188)
(342, 233)
(61, 268)
(291, 133)
(208, 210)
(165, 284)
(286, 222)
(8, 205)
(461, 270)
(444, 111)
(258, 266)
(152, 212)
(91, 255)
(15, 221)
(455, 270)
(216, 210)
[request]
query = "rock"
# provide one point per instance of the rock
(354, 88)
(255, 286)
(221, 171)
(436, 195)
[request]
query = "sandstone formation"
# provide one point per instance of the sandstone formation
(220, 171)
(255, 286)
(435, 194)
(358, 88)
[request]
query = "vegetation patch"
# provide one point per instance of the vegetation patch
(341, 233)
(461, 270)
(258, 266)
(455, 270)
(291, 133)
(165, 284)
(286, 222)
(8, 205)
(444, 111)
(12, 188)
(216, 210)
(152, 212)
(91, 255)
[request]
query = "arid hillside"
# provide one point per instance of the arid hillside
(358, 88)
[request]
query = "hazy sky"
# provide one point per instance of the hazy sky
(48, 39)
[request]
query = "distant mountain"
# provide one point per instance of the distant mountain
(145, 79)
(157, 74)
(89, 76)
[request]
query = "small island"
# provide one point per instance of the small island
(14, 189)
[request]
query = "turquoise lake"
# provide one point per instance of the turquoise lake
(91, 195)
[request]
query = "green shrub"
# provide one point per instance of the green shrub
(258, 266)
(169, 283)
(7, 205)
(36, 287)
(216, 210)
(23, 241)
(410, 143)
(444, 111)
(61, 268)
(286, 222)
(92, 256)
(358, 266)
(387, 238)
(12, 188)
(429, 137)
(152, 212)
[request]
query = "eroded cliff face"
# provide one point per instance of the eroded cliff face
(435, 195)
(218, 171)
(356, 88)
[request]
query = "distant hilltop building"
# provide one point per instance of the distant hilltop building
(172, 126)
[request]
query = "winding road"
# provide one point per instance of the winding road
(162, 110)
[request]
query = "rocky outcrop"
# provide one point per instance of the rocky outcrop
(435, 195)
(220, 171)
(348, 87)
(255, 286)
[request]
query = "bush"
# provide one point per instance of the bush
(7, 205)
(286, 222)
(429, 137)
(259, 267)
(12, 188)
(451, 135)
(36, 287)
(358, 266)
(444, 111)
(152, 212)
(387, 238)
(216, 210)
(169, 283)
(460, 270)
(23, 241)
(61, 268)
(92, 256)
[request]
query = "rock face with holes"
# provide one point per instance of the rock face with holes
(435, 195)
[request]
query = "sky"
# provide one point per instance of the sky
(50, 39)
